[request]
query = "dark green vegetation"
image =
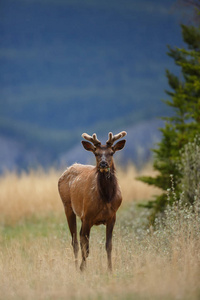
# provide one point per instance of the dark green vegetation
(183, 126)
(74, 66)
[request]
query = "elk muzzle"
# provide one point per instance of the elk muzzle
(104, 167)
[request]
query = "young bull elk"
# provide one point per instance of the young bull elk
(93, 194)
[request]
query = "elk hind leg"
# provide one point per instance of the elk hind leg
(71, 219)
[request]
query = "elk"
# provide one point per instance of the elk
(92, 193)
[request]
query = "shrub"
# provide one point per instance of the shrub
(189, 167)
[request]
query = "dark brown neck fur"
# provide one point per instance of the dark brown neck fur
(107, 185)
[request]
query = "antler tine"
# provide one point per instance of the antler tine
(112, 139)
(93, 139)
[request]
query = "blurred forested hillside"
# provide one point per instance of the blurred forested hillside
(70, 66)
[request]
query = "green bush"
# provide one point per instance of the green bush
(189, 167)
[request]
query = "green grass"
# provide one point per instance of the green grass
(34, 227)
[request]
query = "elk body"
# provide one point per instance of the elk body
(92, 193)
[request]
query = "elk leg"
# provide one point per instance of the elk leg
(109, 230)
(84, 241)
(71, 219)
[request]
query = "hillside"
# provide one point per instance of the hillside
(74, 66)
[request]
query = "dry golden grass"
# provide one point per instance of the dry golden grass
(29, 194)
(44, 269)
(36, 193)
(133, 189)
(36, 258)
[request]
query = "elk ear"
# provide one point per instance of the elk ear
(88, 146)
(119, 145)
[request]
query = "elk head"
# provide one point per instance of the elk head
(104, 153)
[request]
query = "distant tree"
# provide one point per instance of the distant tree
(184, 124)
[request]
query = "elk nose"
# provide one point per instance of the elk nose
(103, 164)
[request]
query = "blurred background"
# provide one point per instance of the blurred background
(74, 66)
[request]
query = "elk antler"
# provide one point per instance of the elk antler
(93, 139)
(112, 139)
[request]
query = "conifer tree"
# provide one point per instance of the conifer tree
(184, 123)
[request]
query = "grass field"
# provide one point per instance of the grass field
(36, 258)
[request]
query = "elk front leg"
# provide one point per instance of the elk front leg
(71, 218)
(84, 241)
(109, 230)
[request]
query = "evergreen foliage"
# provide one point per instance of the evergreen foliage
(184, 124)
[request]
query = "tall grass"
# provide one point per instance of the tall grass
(36, 193)
(44, 269)
(26, 195)
(36, 258)
(133, 189)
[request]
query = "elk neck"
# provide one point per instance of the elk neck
(107, 184)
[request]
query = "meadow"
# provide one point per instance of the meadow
(36, 257)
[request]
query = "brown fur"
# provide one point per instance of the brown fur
(92, 193)
(107, 185)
